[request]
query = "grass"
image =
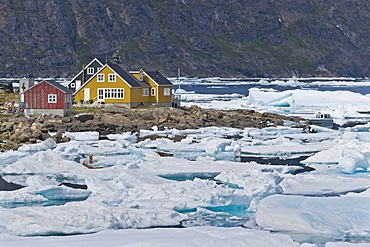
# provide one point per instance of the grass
(77, 110)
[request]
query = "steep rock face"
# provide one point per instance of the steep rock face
(203, 38)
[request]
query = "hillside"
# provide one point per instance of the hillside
(203, 38)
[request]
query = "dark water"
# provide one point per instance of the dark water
(5, 186)
(243, 89)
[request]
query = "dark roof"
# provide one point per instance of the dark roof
(122, 72)
(159, 78)
(102, 60)
(60, 87)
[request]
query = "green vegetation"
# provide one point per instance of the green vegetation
(91, 110)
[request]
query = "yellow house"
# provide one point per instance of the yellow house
(160, 91)
(113, 84)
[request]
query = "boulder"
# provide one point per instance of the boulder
(24, 138)
(84, 117)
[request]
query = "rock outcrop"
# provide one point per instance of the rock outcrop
(16, 131)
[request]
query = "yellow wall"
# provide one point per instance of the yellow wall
(94, 85)
(144, 99)
(161, 96)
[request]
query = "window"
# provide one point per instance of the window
(73, 85)
(114, 93)
(78, 83)
(121, 93)
(112, 77)
(98, 69)
(141, 76)
(167, 91)
(111, 93)
(90, 71)
(152, 92)
(100, 77)
(107, 93)
(145, 92)
(52, 98)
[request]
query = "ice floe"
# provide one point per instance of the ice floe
(196, 237)
(199, 183)
(314, 218)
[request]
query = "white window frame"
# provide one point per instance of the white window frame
(98, 69)
(90, 70)
(73, 85)
(167, 91)
(112, 77)
(145, 91)
(141, 76)
(152, 91)
(100, 94)
(111, 93)
(52, 98)
(120, 93)
(100, 79)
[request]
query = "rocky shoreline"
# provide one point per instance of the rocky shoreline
(18, 130)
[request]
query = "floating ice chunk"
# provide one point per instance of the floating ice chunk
(346, 244)
(310, 97)
(307, 218)
(39, 181)
(282, 101)
(19, 196)
(45, 162)
(124, 138)
(160, 237)
(63, 193)
(215, 145)
(83, 136)
(351, 152)
(141, 153)
(254, 182)
(316, 184)
(81, 217)
(45, 145)
(352, 160)
(365, 193)
(10, 157)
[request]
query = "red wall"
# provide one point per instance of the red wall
(37, 97)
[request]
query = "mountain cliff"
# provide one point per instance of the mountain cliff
(202, 37)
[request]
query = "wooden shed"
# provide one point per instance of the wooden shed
(48, 97)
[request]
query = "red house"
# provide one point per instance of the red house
(48, 97)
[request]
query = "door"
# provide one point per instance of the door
(86, 94)
(100, 94)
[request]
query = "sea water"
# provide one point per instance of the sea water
(243, 89)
